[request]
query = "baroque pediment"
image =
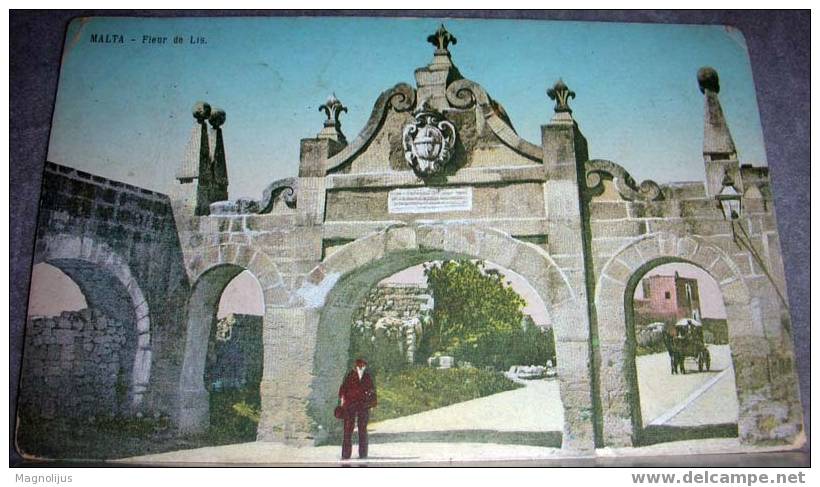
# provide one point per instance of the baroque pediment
(443, 124)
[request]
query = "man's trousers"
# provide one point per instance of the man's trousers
(359, 416)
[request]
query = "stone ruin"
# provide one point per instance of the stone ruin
(397, 312)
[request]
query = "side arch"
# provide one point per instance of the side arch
(613, 295)
(336, 285)
(214, 268)
(82, 259)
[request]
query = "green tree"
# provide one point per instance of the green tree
(476, 313)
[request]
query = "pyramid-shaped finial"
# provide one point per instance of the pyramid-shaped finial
(717, 140)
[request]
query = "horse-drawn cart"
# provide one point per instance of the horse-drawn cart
(685, 339)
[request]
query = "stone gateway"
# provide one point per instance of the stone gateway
(438, 172)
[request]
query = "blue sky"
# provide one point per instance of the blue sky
(124, 111)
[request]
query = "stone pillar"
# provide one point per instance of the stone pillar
(289, 343)
(767, 384)
(313, 156)
(193, 412)
(290, 331)
(564, 155)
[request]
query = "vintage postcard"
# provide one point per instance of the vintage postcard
(324, 240)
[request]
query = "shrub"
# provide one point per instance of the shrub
(234, 415)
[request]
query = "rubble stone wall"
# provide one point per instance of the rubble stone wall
(395, 301)
(77, 365)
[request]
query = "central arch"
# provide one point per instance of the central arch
(339, 284)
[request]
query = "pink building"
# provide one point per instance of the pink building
(669, 298)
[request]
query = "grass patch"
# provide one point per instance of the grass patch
(420, 389)
(234, 419)
(98, 438)
(234, 416)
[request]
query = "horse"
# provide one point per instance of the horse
(685, 339)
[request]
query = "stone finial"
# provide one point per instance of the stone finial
(442, 38)
(332, 127)
(561, 94)
(332, 108)
(201, 111)
(217, 118)
(708, 80)
(218, 185)
(717, 140)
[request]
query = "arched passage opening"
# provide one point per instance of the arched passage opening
(81, 371)
(81, 340)
(222, 366)
(337, 287)
(615, 290)
(683, 361)
(462, 351)
(96, 342)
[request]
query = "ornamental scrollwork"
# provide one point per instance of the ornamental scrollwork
(284, 189)
(599, 170)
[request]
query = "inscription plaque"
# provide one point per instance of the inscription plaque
(430, 200)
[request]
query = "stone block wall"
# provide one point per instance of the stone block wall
(76, 365)
(395, 301)
(394, 313)
(290, 249)
(685, 225)
(91, 226)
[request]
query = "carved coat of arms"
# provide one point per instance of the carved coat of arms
(428, 142)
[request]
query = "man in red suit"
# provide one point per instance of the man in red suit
(357, 395)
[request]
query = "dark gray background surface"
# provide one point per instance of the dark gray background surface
(779, 45)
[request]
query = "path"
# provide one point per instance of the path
(529, 415)
(261, 453)
(486, 429)
(691, 399)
